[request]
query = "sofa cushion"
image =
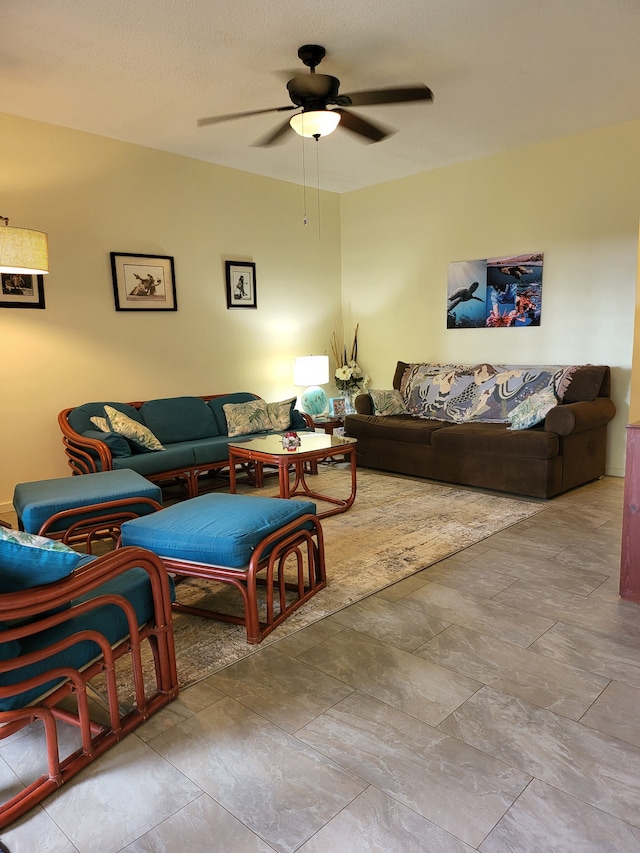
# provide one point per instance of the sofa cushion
(586, 383)
(28, 560)
(217, 407)
(247, 418)
(137, 434)
(280, 414)
(179, 419)
(403, 428)
(173, 458)
(80, 418)
(117, 444)
(497, 440)
(533, 410)
(387, 402)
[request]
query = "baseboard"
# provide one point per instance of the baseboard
(5, 508)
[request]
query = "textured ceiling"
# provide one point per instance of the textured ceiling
(504, 73)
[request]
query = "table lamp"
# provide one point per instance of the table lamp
(312, 371)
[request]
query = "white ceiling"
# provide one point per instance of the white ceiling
(504, 73)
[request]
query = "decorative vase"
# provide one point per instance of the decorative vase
(349, 399)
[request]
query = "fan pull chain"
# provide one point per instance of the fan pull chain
(318, 180)
(304, 180)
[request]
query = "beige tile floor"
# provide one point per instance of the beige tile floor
(488, 703)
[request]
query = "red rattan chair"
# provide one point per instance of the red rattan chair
(56, 637)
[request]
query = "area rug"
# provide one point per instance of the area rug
(396, 527)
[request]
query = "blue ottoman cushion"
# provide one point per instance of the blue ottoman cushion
(36, 502)
(219, 529)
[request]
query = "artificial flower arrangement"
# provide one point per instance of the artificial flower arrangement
(349, 377)
(291, 441)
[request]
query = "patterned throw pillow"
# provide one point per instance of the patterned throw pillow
(533, 410)
(387, 402)
(247, 418)
(137, 434)
(100, 423)
(280, 414)
(28, 560)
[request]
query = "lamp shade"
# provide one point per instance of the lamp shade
(315, 122)
(23, 251)
(312, 371)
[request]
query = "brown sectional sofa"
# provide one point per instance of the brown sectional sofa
(566, 450)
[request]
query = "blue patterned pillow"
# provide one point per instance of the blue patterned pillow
(533, 410)
(387, 402)
(28, 560)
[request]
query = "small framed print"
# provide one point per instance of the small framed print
(143, 282)
(241, 284)
(337, 407)
(21, 291)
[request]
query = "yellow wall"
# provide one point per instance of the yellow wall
(382, 255)
(94, 195)
(575, 199)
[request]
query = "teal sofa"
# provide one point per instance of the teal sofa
(193, 432)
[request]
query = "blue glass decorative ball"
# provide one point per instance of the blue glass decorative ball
(314, 400)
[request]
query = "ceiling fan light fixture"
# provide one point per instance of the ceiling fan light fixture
(314, 123)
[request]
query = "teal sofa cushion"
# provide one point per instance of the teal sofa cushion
(172, 458)
(216, 528)
(117, 444)
(108, 619)
(28, 560)
(179, 419)
(217, 404)
(80, 418)
(210, 450)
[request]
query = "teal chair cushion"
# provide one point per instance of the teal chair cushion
(216, 528)
(107, 619)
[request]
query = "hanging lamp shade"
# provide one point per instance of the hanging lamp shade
(23, 250)
(315, 122)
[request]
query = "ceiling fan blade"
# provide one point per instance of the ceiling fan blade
(400, 95)
(274, 137)
(363, 127)
(202, 122)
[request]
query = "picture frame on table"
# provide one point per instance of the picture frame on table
(337, 407)
(18, 290)
(241, 284)
(143, 282)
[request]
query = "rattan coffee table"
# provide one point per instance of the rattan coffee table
(268, 450)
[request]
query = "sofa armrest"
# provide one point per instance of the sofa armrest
(364, 404)
(84, 455)
(579, 417)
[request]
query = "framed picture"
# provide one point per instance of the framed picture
(21, 291)
(241, 285)
(143, 282)
(337, 407)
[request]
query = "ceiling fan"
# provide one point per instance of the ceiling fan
(315, 93)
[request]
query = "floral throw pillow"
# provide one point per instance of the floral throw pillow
(533, 410)
(137, 434)
(247, 418)
(280, 414)
(100, 423)
(387, 402)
